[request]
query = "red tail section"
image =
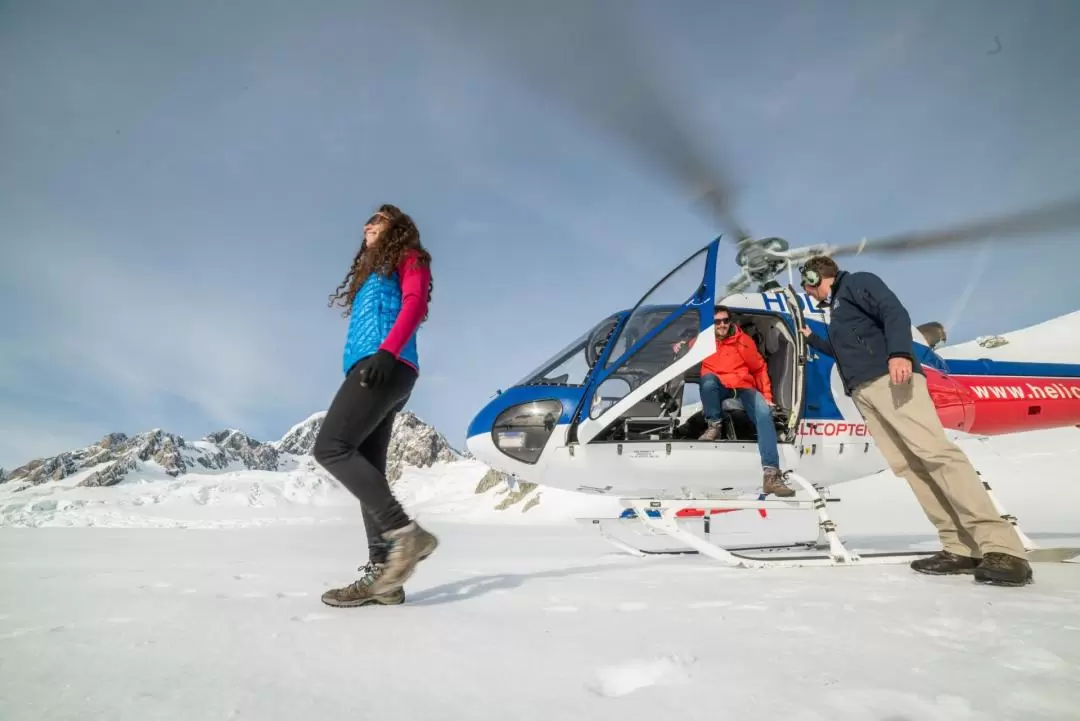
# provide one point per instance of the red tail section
(698, 512)
(994, 398)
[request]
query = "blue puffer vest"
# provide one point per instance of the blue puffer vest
(374, 310)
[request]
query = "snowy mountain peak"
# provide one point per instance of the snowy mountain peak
(415, 443)
(1056, 340)
(412, 442)
(300, 439)
(109, 461)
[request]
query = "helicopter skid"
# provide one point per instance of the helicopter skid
(637, 539)
(656, 529)
(659, 517)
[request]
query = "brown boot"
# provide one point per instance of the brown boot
(359, 592)
(945, 563)
(1001, 569)
(409, 545)
(712, 432)
(774, 483)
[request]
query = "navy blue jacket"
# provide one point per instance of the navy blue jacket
(868, 325)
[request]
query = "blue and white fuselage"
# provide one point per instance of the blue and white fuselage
(614, 411)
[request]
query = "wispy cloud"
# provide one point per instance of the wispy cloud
(172, 220)
(27, 433)
(150, 340)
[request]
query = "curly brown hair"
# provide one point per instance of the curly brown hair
(399, 235)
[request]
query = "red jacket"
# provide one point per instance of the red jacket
(738, 364)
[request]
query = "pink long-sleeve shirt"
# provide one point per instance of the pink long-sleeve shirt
(415, 280)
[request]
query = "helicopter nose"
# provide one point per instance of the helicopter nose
(474, 447)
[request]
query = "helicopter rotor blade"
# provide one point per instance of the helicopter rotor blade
(735, 285)
(1046, 218)
(574, 55)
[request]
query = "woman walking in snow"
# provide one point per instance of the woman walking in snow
(386, 294)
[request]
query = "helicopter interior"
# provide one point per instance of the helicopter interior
(673, 412)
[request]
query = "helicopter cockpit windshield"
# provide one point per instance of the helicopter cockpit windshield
(571, 365)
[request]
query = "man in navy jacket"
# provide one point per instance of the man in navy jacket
(870, 339)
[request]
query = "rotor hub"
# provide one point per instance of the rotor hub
(758, 258)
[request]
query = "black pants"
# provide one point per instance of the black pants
(352, 446)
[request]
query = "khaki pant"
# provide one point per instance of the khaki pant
(907, 430)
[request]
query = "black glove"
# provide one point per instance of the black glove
(377, 369)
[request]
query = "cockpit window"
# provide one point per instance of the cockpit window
(664, 299)
(571, 365)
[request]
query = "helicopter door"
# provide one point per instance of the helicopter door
(647, 353)
(799, 382)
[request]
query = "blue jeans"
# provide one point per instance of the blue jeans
(714, 393)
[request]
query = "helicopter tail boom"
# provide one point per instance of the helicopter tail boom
(1002, 397)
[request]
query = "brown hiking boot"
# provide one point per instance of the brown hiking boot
(359, 592)
(409, 545)
(1001, 569)
(945, 563)
(774, 483)
(712, 432)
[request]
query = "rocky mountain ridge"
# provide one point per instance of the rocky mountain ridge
(412, 443)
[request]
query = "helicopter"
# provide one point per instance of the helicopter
(616, 412)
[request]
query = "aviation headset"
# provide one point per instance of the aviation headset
(810, 276)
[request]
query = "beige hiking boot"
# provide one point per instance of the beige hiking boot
(359, 592)
(774, 483)
(409, 545)
(712, 432)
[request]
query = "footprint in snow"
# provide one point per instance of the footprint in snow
(17, 632)
(797, 629)
(710, 604)
(1030, 660)
(625, 678)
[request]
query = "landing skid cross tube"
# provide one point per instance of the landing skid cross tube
(659, 517)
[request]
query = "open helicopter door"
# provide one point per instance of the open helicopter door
(801, 350)
(642, 358)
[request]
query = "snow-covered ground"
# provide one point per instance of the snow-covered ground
(197, 597)
(527, 622)
(211, 610)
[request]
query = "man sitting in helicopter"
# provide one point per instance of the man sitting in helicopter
(738, 370)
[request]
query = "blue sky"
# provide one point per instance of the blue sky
(183, 184)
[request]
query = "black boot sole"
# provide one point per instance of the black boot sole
(1011, 582)
(376, 601)
(961, 572)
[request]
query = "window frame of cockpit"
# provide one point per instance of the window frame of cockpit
(575, 347)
